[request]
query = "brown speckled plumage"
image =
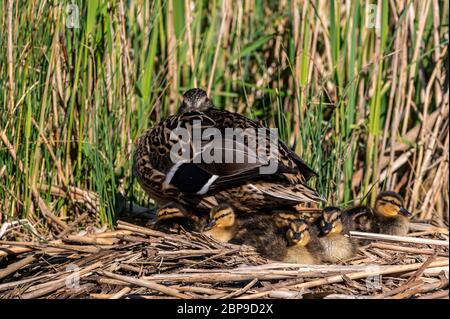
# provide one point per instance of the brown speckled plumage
(261, 233)
(241, 185)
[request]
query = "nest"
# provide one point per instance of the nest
(137, 262)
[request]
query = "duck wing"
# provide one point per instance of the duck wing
(192, 174)
(222, 163)
(307, 171)
(226, 119)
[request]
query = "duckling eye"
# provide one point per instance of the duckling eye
(391, 201)
(222, 215)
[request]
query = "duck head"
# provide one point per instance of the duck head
(169, 212)
(390, 204)
(195, 100)
(330, 222)
(298, 233)
(221, 216)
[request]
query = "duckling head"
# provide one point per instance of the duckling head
(330, 222)
(221, 216)
(298, 233)
(282, 219)
(169, 212)
(390, 204)
(195, 100)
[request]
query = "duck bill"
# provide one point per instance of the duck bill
(405, 212)
(325, 230)
(297, 237)
(211, 224)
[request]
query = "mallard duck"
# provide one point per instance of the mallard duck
(332, 226)
(302, 244)
(199, 185)
(392, 217)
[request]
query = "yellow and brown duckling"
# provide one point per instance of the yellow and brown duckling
(303, 247)
(332, 226)
(291, 240)
(388, 216)
(257, 230)
(222, 224)
(260, 232)
(392, 217)
(282, 216)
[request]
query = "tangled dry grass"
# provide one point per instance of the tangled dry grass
(138, 262)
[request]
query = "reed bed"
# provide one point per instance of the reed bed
(138, 262)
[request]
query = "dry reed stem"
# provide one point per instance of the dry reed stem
(404, 239)
(148, 284)
(379, 270)
(120, 294)
(16, 266)
(59, 283)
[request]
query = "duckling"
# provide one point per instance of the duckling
(302, 244)
(222, 224)
(282, 218)
(260, 232)
(360, 218)
(334, 245)
(174, 217)
(392, 217)
(256, 230)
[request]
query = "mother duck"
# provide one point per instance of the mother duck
(198, 183)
